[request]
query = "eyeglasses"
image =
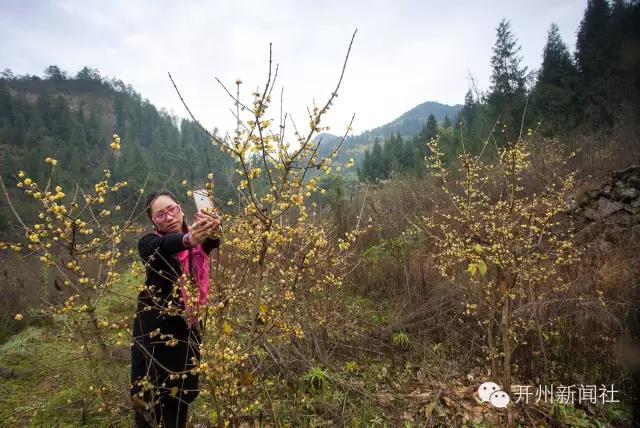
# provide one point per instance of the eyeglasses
(161, 216)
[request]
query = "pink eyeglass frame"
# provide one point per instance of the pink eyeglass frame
(169, 210)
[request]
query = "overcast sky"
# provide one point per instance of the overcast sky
(405, 52)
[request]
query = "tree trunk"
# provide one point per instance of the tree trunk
(506, 341)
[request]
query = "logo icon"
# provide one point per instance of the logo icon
(491, 392)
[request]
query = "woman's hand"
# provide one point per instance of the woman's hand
(200, 230)
(215, 219)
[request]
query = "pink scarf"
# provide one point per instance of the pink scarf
(200, 272)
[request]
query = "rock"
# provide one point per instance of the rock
(618, 197)
(607, 207)
(589, 196)
(633, 170)
(627, 193)
(590, 214)
(632, 210)
(11, 372)
(621, 218)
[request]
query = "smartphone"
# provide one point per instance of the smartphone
(202, 200)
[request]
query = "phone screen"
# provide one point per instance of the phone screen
(202, 200)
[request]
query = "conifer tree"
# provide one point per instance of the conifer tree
(507, 94)
(377, 161)
(595, 58)
(446, 122)
(554, 94)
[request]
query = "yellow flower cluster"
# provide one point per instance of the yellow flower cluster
(115, 143)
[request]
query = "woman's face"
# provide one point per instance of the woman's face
(166, 214)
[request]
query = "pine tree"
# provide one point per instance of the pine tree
(88, 74)
(468, 112)
(472, 127)
(595, 58)
(592, 51)
(446, 122)
(367, 171)
(377, 161)
(507, 95)
(431, 128)
(54, 73)
(554, 94)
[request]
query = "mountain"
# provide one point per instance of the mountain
(411, 122)
(408, 124)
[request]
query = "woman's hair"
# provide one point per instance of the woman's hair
(151, 197)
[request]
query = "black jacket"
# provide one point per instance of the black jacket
(153, 354)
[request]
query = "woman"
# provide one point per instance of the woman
(166, 335)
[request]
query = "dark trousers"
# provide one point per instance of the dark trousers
(169, 411)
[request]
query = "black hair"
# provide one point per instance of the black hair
(151, 197)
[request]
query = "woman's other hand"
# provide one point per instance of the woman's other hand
(212, 218)
(201, 230)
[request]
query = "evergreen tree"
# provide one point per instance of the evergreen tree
(446, 122)
(61, 121)
(377, 161)
(595, 58)
(88, 74)
(468, 112)
(593, 53)
(413, 157)
(431, 128)
(19, 131)
(7, 74)
(472, 127)
(554, 94)
(54, 73)
(507, 94)
(367, 170)
(428, 132)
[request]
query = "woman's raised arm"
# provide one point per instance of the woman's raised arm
(163, 245)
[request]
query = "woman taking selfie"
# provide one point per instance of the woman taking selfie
(166, 333)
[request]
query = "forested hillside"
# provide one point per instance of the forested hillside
(72, 119)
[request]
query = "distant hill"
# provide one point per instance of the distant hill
(408, 124)
(411, 122)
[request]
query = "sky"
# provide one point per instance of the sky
(404, 52)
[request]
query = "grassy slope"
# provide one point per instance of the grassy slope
(51, 385)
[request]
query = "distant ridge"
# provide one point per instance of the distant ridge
(408, 125)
